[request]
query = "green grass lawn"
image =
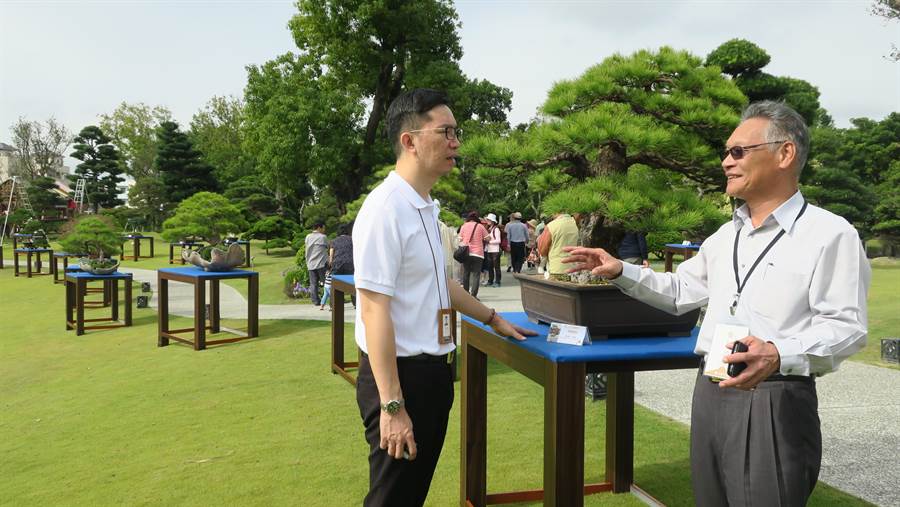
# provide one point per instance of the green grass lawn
(109, 418)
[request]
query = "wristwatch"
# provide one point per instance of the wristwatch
(392, 406)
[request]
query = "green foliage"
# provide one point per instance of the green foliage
(181, 168)
(132, 128)
(122, 215)
(204, 215)
(842, 193)
(316, 120)
(17, 218)
(100, 168)
(275, 230)
(868, 153)
(149, 198)
(738, 56)
(296, 282)
(641, 200)
(217, 133)
(93, 235)
(43, 196)
(325, 209)
(744, 60)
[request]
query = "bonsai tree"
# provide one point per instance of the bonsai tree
(274, 230)
(662, 115)
(94, 237)
(205, 215)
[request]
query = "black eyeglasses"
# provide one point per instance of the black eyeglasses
(738, 152)
(450, 133)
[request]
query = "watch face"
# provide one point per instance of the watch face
(392, 407)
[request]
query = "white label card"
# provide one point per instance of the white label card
(715, 367)
(568, 334)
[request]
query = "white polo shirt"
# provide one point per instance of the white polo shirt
(397, 252)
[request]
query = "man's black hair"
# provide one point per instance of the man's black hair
(318, 225)
(345, 229)
(409, 111)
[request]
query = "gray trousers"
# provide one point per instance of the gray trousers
(755, 448)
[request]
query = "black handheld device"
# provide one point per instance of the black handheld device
(735, 369)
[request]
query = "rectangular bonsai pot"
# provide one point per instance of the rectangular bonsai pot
(604, 309)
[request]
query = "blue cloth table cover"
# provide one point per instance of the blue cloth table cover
(91, 276)
(33, 250)
(692, 246)
(348, 279)
(195, 272)
(613, 349)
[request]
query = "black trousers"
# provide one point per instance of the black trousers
(428, 397)
(493, 260)
(316, 276)
(517, 251)
(761, 447)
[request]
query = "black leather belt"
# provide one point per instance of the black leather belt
(421, 358)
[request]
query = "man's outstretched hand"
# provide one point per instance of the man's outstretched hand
(597, 260)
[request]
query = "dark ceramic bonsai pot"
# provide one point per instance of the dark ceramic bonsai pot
(603, 309)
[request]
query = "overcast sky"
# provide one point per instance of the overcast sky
(77, 59)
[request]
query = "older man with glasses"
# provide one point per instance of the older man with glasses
(791, 275)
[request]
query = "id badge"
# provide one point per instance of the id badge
(444, 334)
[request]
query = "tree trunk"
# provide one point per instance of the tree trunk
(594, 231)
(610, 160)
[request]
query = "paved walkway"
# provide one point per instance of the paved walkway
(858, 405)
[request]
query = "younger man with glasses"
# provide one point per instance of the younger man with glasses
(405, 385)
(792, 274)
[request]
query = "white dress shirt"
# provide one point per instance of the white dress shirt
(807, 295)
(394, 255)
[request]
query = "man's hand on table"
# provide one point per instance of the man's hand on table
(503, 327)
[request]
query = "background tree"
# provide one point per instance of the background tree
(217, 132)
(276, 231)
(132, 128)
(255, 200)
(744, 60)
(41, 146)
(100, 168)
(890, 10)
(181, 168)
(44, 198)
(318, 116)
(664, 110)
(204, 215)
(148, 196)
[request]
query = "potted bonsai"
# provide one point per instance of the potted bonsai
(97, 240)
(612, 205)
(209, 217)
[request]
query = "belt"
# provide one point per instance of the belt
(776, 377)
(421, 358)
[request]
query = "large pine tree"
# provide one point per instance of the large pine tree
(181, 168)
(101, 168)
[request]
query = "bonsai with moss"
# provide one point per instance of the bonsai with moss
(95, 238)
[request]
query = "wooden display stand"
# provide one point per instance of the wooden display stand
(76, 288)
(198, 278)
(38, 265)
(560, 369)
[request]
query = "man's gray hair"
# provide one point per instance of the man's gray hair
(785, 124)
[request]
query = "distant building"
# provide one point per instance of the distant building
(9, 155)
(7, 158)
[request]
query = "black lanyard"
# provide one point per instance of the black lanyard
(437, 277)
(737, 279)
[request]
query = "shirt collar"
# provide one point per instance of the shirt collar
(408, 192)
(785, 215)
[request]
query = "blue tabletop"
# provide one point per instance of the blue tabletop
(137, 236)
(26, 250)
(73, 267)
(613, 349)
(91, 276)
(67, 254)
(195, 272)
(692, 246)
(348, 279)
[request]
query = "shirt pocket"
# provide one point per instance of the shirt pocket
(783, 294)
